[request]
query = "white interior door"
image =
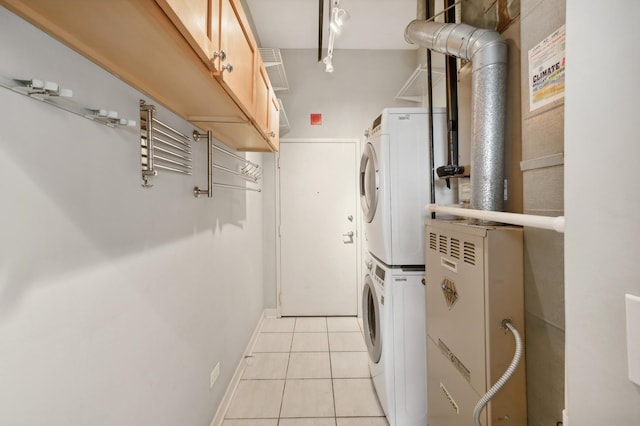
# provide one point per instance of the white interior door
(318, 224)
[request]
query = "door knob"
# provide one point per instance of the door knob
(348, 234)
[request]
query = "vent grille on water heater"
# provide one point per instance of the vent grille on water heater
(451, 247)
(455, 248)
(469, 253)
(443, 244)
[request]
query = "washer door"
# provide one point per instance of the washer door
(371, 320)
(369, 185)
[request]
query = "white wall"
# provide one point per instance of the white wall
(364, 82)
(269, 230)
(602, 200)
(116, 301)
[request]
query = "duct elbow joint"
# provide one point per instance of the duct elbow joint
(489, 48)
(458, 40)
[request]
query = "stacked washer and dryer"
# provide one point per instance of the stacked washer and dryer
(395, 186)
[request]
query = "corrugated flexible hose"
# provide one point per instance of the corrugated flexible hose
(505, 377)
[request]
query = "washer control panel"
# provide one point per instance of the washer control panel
(379, 275)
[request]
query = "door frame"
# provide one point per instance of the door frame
(358, 216)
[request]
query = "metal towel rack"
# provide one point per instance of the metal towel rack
(248, 170)
(161, 146)
(51, 93)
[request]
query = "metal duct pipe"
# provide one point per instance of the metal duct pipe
(487, 52)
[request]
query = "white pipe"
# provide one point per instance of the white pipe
(534, 221)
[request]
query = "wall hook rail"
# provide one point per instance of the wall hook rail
(51, 93)
(248, 170)
(161, 146)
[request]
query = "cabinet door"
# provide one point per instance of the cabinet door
(274, 121)
(198, 22)
(238, 69)
(263, 92)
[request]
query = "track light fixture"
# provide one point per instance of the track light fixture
(336, 23)
(327, 61)
(338, 18)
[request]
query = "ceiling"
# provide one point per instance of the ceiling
(293, 24)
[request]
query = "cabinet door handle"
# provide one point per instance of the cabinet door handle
(272, 134)
(228, 68)
(221, 54)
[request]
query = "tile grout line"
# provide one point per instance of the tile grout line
(286, 372)
(333, 389)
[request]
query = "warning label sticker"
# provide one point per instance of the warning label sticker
(546, 70)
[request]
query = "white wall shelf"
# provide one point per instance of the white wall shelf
(272, 60)
(415, 88)
(284, 121)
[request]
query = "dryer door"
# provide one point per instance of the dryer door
(369, 182)
(371, 320)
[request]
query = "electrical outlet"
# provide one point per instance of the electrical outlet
(214, 375)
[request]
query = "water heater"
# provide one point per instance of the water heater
(474, 280)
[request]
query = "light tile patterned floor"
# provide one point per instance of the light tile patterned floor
(307, 372)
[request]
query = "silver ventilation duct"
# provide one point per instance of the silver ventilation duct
(487, 52)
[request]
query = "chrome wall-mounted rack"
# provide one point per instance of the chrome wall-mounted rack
(161, 146)
(247, 170)
(51, 93)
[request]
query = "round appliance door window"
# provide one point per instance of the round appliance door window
(371, 320)
(369, 182)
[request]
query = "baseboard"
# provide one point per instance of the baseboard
(235, 380)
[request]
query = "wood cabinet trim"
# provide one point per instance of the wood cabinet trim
(139, 43)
